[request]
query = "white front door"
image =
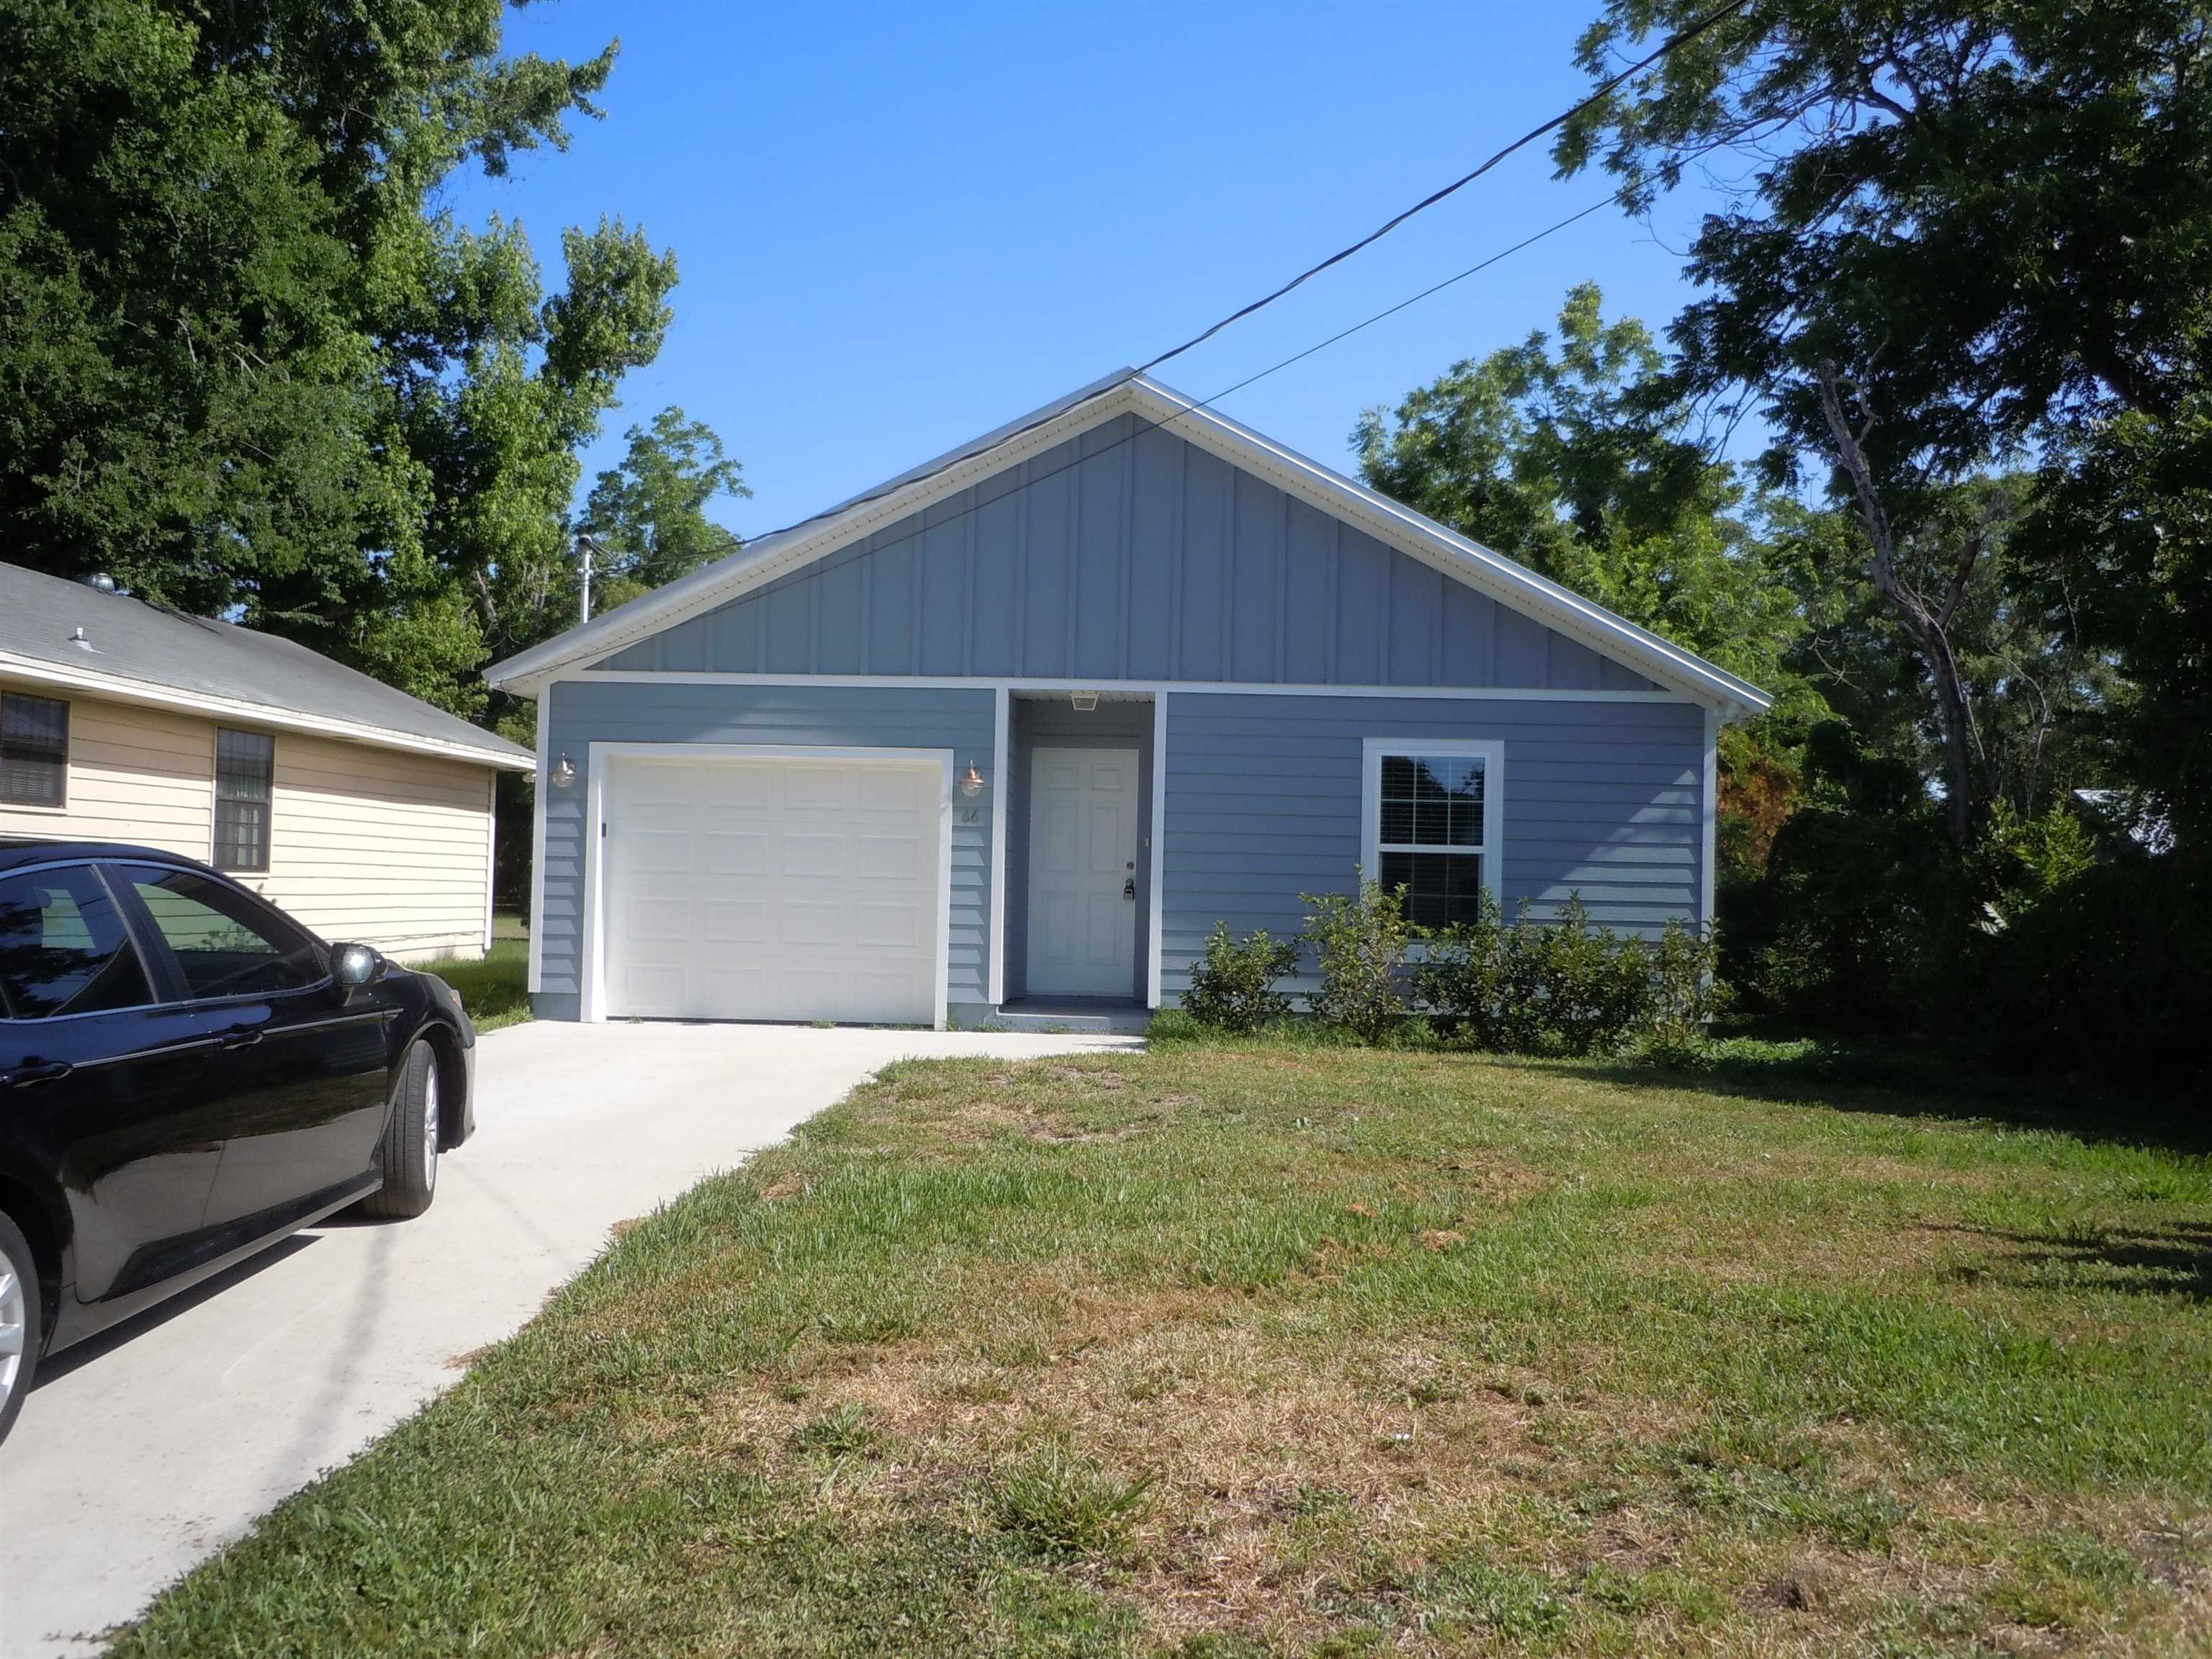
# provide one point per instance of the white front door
(1083, 871)
(773, 888)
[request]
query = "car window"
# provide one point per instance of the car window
(226, 944)
(62, 947)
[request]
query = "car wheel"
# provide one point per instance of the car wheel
(409, 1151)
(22, 1321)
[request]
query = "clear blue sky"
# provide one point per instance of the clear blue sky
(899, 226)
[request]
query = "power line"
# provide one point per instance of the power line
(1671, 43)
(1668, 44)
(1194, 404)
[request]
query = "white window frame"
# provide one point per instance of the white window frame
(1489, 750)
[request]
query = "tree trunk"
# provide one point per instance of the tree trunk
(1928, 626)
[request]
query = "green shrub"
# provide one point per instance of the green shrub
(1596, 989)
(2107, 978)
(1360, 947)
(1457, 977)
(1233, 987)
(1687, 988)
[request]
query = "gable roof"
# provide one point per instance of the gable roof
(1129, 392)
(134, 651)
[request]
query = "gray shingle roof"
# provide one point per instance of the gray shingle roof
(167, 651)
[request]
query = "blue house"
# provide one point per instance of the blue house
(1017, 728)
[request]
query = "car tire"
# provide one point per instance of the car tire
(22, 1321)
(409, 1152)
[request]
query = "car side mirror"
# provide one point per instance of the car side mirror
(353, 966)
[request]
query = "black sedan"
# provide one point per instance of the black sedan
(186, 1076)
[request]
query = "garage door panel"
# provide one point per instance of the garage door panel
(735, 922)
(729, 853)
(887, 858)
(815, 853)
(818, 787)
(773, 889)
(887, 926)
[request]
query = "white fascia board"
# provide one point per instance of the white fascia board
(143, 693)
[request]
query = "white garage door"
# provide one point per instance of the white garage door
(773, 889)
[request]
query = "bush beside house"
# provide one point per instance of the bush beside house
(1527, 987)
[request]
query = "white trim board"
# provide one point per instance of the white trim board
(1157, 830)
(1132, 689)
(994, 981)
(538, 787)
(591, 953)
(1331, 492)
(144, 693)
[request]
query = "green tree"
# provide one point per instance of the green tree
(247, 364)
(1578, 460)
(1963, 235)
(649, 513)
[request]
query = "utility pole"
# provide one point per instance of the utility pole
(585, 548)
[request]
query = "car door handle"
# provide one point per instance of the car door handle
(241, 1036)
(37, 1071)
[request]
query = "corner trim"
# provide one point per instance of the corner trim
(994, 988)
(1158, 829)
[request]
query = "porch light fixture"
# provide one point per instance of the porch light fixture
(563, 775)
(1083, 701)
(971, 781)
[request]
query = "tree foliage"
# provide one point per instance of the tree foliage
(649, 514)
(1966, 235)
(1578, 459)
(249, 364)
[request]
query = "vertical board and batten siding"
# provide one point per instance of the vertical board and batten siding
(1129, 553)
(1264, 804)
(375, 845)
(141, 775)
(580, 713)
(378, 845)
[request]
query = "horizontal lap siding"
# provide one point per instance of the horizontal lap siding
(1128, 554)
(1263, 803)
(388, 849)
(858, 717)
(369, 844)
(135, 775)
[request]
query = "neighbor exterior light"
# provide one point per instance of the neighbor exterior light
(971, 781)
(1083, 701)
(564, 773)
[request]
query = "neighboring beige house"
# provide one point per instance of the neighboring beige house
(366, 813)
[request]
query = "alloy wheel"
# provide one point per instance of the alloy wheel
(430, 1128)
(15, 1327)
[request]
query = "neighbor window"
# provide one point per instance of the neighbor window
(1431, 825)
(33, 750)
(243, 764)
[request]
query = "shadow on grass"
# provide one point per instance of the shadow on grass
(1917, 1083)
(2162, 1261)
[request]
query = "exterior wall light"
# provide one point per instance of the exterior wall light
(971, 781)
(1083, 701)
(563, 775)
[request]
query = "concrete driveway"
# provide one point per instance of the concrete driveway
(146, 1450)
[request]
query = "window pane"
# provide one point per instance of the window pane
(63, 949)
(1440, 888)
(1431, 801)
(243, 764)
(34, 750)
(226, 945)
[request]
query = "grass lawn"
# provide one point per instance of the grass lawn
(494, 987)
(1279, 1350)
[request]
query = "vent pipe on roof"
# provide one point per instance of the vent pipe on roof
(100, 581)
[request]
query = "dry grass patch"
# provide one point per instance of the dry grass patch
(1282, 1351)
